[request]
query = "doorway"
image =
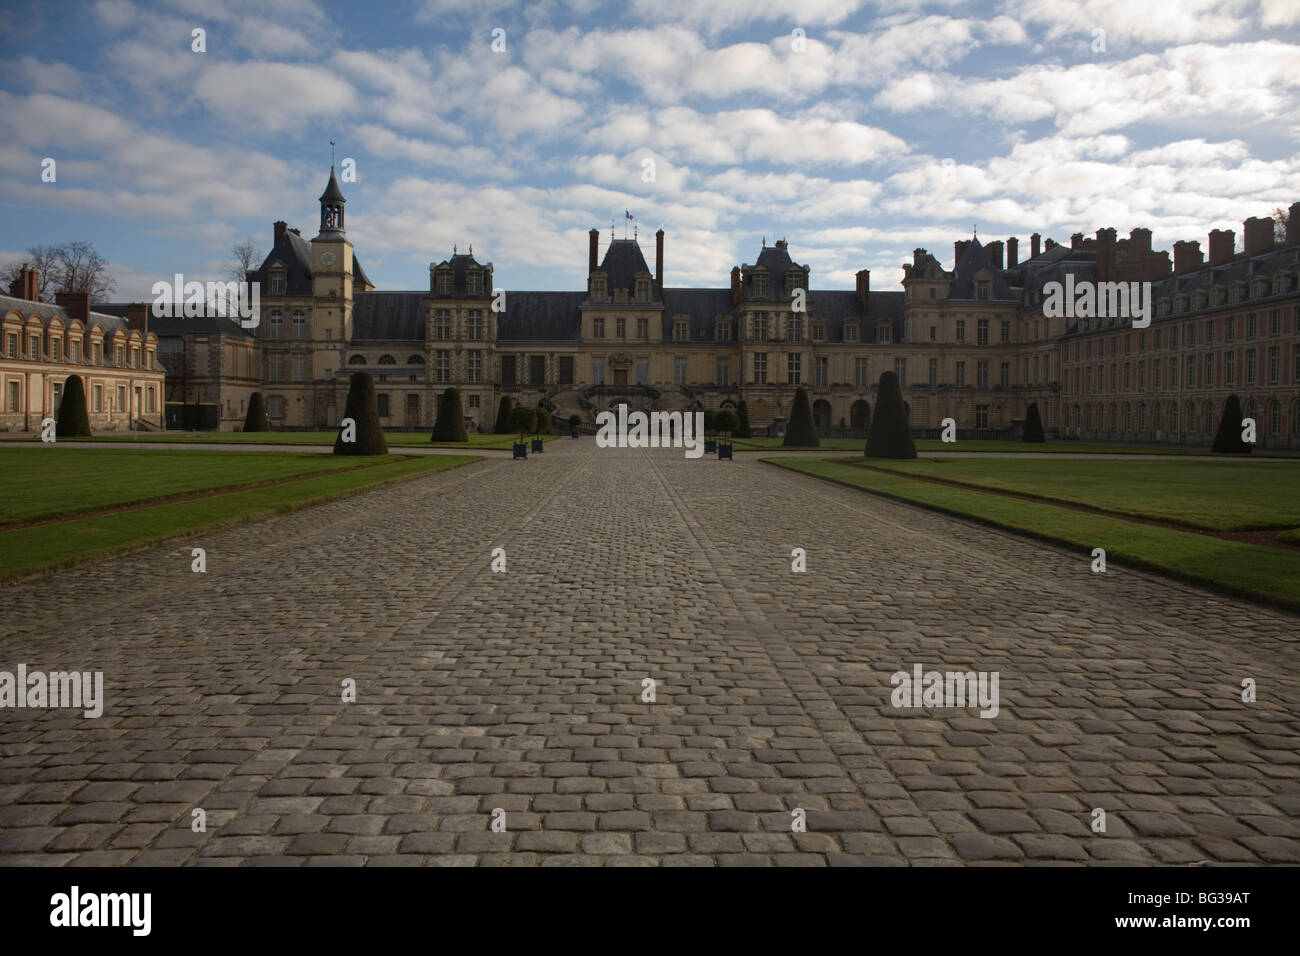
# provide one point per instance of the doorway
(620, 376)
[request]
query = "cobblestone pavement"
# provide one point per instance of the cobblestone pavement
(523, 691)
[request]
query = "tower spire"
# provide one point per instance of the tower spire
(331, 207)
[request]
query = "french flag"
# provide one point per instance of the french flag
(628, 214)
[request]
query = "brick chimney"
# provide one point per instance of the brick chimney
(296, 232)
(1187, 256)
(1293, 225)
(864, 290)
(1049, 245)
(659, 262)
(994, 249)
(281, 227)
(1157, 266)
(735, 286)
(76, 304)
(1257, 234)
(1076, 240)
(1139, 242)
(1013, 252)
(958, 250)
(1106, 259)
(1222, 244)
(137, 317)
(26, 285)
(1033, 245)
(593, 250)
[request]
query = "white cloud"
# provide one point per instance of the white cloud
(274, 97)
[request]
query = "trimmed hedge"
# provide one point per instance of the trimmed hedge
(255, 420)
(1033, 424)
(742, 421)
(502, 426)
(801, 430)
(1226, 440)
(364, 411)
(450, 423)
(74, 420)
(890, 436)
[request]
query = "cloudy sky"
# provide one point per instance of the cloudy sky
(856, 130)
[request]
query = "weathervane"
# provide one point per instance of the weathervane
(331, 154)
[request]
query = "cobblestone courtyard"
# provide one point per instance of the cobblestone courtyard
(523, 690)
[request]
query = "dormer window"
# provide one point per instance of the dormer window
(1279, 284)
(444, 281)
(724, 330)
(277, 280)
(598, 287)
(793, 281)
(474, 282)
(761, 284)
(681, 329)
(984, 289)
(643, 290)
(883, 333)
(851, 332)
(1258, 288)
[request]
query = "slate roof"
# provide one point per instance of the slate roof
(623, 261)
(460, 265)
(541, 317)
(332, 192)
(703, 306)
(48, 310)
(202, 325)
(294, 252)
(388, 316)
(973, 260)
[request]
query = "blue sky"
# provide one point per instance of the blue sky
(890, 126)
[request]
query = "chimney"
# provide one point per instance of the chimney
(1293, 225)
(1049, 245)
(659, 262)
(1187, 256)
(994, 250)
(735, 286)
(864, 290)
(1158, 266)
(1139, 243)
(1076, 241)
(1106, 260)
(1257, 234)
(137, 317)
(594, 248)
(1222, 244)
(1013, 252)
(1033, 245)
(958, 250)
(281, 227)
(26, 285)
(76, 304)
(296, 232)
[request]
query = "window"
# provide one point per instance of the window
(1142, 376)
(99, 398)
(643, 328)
(598, 371)
(275, 407)
(796, 330)
(1275, 417)
(1173, 338)
(1006, 333)
(382, 401)
(961, 330)
(851, 332)
(1229, 328)
(1209, 370)
(723, 333)
(724, 372)
(11, 349)
(387, 360)
(443, 281)
(152, 407)
(1275, 322)
(1229, 368)
(474, 282)
(983, 289)
(981, 416)
(1004, 375)
(299, 324)
(760, 327)
(793, 360)
(934, 372)
(474, 401)
(823, 372)
(1189, 377)
(934, 333)
(679, 370)
(566, 369)
(74, 352)
(620, 327)
(961, 374)
(442, 325)
(598, 287)
(883, 333)
(900, 369)
(275, 364)
(56, 350)
(1189, 334)
(598, 328)
(121, 398)
(681, 329)
(1250, 325)
(415, 360)
(474, 325)
(119, 356)
(1250, 366)
(536, 369)
(442, 366)
(1274, 365)
(982, 332)
(760, 284)
(275, 325)
(13, 396)
(1173, 373)
(982, 374)
(357, 360)
(299, 367)
(860, 373)
(643, 290)
(474, 365)
(277, 282)
(760, 368)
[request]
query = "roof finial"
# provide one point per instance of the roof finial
(454, 248)
(765, 242)
(331, 155)
(974, 231)
(471, 248)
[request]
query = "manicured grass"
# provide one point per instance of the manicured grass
(395, 439)
(1005, 447)
(1268, 574)
(1238, 495)
(26, 550)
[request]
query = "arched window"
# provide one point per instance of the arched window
(299, 324)
(387, 360)
(357, 360)
(275, 324)
(415, 360)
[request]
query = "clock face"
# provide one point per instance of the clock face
(327, 258)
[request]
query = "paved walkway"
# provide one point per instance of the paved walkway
(523, 691)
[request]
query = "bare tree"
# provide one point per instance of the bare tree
(82, 269)
(44, 259)
(1280, 217)
(244, 258)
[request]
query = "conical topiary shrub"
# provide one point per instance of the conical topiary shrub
(1033, 424)
(74, 420)
(364, 412)
(890, 435)
(255, 420)
(503, 426)
(1227, 439)
(801, 430)
(450, 424)
(742, 421)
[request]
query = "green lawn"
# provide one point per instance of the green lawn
(123, 477)
(1268, 574)
(1006, 447)
(395, 439)
(1217, 495)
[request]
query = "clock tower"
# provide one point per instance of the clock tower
(331, 268)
